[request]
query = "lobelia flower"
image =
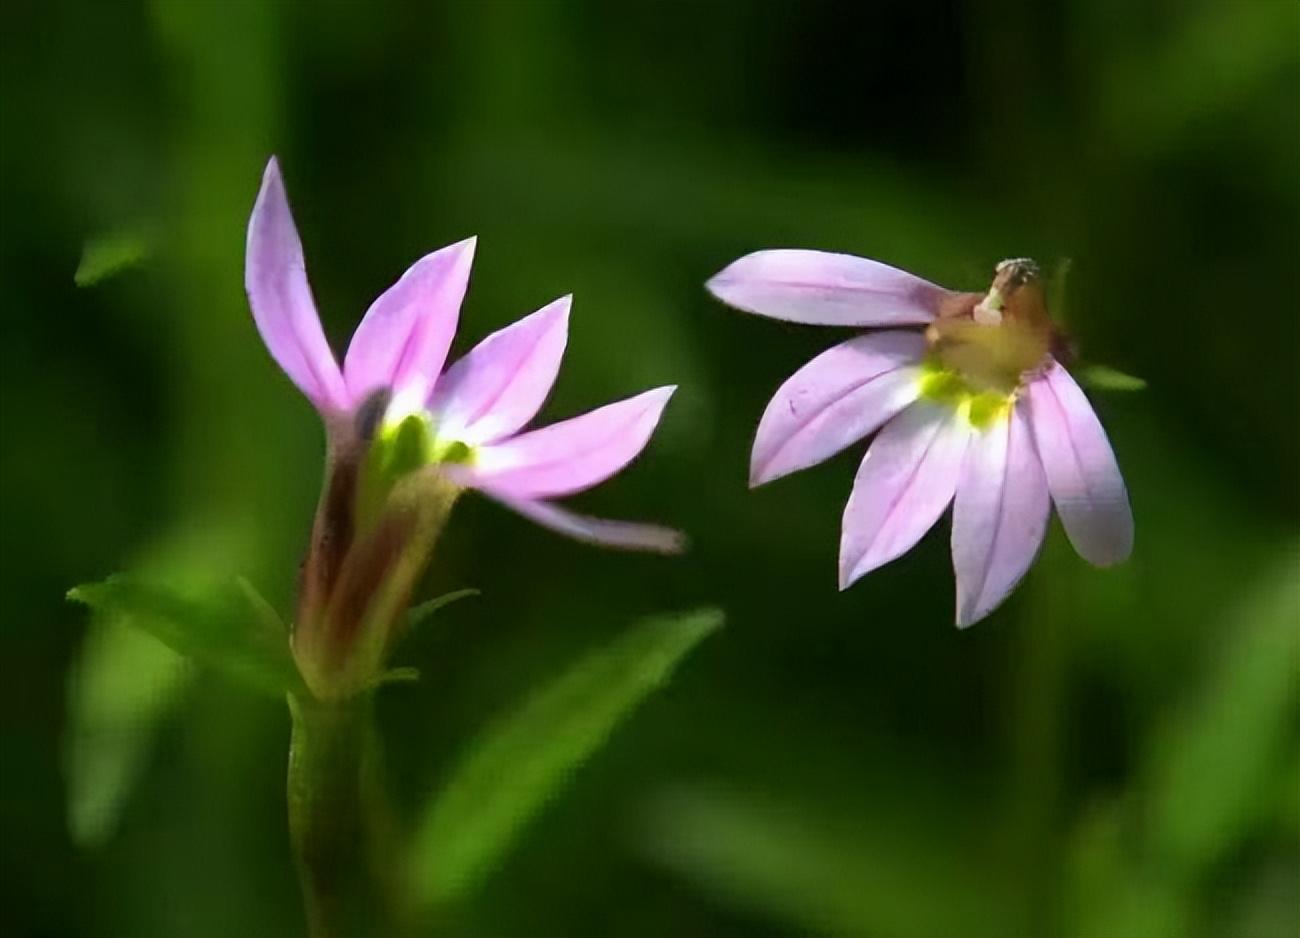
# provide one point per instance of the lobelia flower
(973, 407)
(405, 437)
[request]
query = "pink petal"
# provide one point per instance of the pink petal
(998, 518)
(501, 384)
(275, 276)
(620, 535)
(569, 456)
(403, 340)
(827, 289)
(1082, 474)
(835, 400)
(904, 484)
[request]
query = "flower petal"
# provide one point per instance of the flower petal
(827, 289)
(620, 535)
(403, 340)
(503, 381)
(569, 456)
(998, 517)
(835, 400)
(1082, 474)
(275, 277)
(903, 485)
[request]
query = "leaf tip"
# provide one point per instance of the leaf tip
(1104, 378)
(108, 255)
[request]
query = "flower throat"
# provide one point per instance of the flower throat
(982, 346)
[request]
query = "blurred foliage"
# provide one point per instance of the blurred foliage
(228, 627)
(106, 256)
(123, 685)
(524, 758)
(1113, 753)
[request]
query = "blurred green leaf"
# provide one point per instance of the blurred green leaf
(528, 755)
(425, 610)
(1288, 805)
(109, 255)
(1216, 63)
(1107, 894)
(1138, 865)
(825, 872)
(1208, 770)
(1103, 378)
(221, 629)
(122, 685)
(1266, 903)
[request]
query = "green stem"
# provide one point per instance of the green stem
(326, 753)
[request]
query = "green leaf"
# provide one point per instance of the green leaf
(1209, 770)
(1137, 866)
(527, 756)
(424, 610)
(220, 627)
(124, 685)
(121, 688)
(1103, 378)
(1106, 893)
(109, 255)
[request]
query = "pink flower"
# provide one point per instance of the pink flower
(972, 405)
(474, 413)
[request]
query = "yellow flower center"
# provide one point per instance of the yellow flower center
(982, 348)
(401, 447)
(982, 408)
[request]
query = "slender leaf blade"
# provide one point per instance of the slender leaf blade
(1204, 789)
(1208, 772)
(525, 758)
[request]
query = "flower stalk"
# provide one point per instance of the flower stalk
(326, 755)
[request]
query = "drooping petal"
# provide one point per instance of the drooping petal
(827, 289)
(620, 535)
(835, 400)
(502, 383)
(569, 456)
(903, 485)
(403, 340)
(1082, 474)
(998, 517)
(275, 276)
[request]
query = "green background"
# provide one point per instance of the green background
(1112, 754)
